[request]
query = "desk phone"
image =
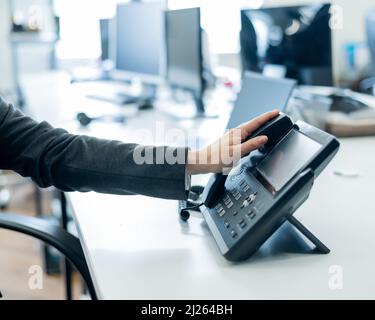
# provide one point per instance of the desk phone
(245, 208)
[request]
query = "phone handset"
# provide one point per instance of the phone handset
(274, 129)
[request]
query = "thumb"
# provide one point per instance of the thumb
(253, 144)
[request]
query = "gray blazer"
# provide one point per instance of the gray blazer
(53, 157)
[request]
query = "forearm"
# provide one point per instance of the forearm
(80, 163)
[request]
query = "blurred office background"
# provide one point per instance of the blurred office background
(87, 41)
(65, 25)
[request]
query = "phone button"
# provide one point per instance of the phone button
(233, 233)
(251, 197)
(220, 210)
(242, 224)
(236, 195)
(246, 203)
(244, 186)
(228, 202)
(251, 214)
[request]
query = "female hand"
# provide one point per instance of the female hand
(230, 148)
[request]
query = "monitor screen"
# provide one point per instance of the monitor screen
(183, 45)
(259, 94)
(287, 159)
(298, 38)
(139, 38)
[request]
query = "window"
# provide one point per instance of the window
(79, 27)
(220, 19)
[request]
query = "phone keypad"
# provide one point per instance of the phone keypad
(246, 219)
(239, 208)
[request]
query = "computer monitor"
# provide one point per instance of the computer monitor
(184, 52)
(258, 95)
(139, 40)
(296, 38)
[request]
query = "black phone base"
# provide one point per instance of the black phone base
(319, 246)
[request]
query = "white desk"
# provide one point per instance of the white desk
(137, 248)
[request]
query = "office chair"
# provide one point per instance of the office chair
(368, 85)
(55, 236)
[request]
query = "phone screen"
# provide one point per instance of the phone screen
(287, 158)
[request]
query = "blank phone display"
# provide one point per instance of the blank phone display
(287, 159)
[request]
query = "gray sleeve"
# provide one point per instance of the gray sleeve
(53, 157)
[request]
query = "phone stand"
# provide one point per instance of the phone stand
(292, 237)
(319, 246)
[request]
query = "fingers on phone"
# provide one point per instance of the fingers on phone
(253, 144)
(256, 123)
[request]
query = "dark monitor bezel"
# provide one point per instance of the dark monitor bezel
(197, 93)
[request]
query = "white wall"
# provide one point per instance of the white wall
(30, 58)
(353, 30)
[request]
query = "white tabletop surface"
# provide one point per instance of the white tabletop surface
(137, 248)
